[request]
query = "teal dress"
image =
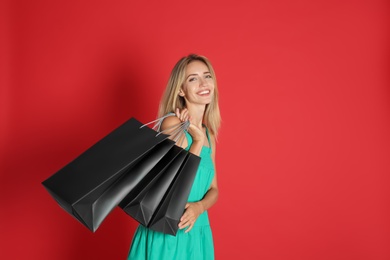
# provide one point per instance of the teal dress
(197, 244)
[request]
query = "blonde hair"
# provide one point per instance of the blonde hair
(171, 99)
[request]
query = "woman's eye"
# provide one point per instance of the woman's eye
(208, 76)
(191, 79)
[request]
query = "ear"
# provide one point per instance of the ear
(181, 93)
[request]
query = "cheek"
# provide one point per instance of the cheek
(191, 88)
(211, 83)
(186, 88)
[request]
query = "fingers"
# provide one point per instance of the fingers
(189, 224)
(189, 228)
(188, 219)
(184, 217)
(185, 223)
(183, 114)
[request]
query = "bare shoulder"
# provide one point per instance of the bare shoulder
(169, 122)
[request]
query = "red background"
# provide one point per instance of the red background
(303, 154)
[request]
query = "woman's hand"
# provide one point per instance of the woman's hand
(191, 214)
(195, 131)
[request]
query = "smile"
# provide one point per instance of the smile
(204, 92)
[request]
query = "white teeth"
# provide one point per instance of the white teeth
(204, 92)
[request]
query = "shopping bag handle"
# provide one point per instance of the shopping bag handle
(159, 121)
(178, 129)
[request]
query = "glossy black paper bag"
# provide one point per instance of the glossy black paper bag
(167, 216)
(78, 185)
(143, 201)
(97, 205)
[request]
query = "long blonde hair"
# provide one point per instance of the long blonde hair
(171, 99)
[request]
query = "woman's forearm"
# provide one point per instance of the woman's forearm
(196, 147)
(209, 199)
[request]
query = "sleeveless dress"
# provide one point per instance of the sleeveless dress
(197, 244)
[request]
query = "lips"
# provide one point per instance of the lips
(203, 92)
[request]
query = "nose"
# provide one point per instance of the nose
(203, 82)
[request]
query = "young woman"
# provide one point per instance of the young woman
(193, 95)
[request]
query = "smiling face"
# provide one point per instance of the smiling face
(198, 86)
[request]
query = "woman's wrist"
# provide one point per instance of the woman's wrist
(198, 141)
(196, 147)
(201, 207)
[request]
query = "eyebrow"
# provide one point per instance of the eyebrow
(206, 72)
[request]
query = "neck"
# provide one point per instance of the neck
(196, 112)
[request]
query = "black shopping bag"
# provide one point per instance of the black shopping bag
(158, 202)
(78, 186)
(167, 216)
(143, 201)
(98, 204)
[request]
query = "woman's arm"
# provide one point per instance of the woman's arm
(194, 209)
(212, 194)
